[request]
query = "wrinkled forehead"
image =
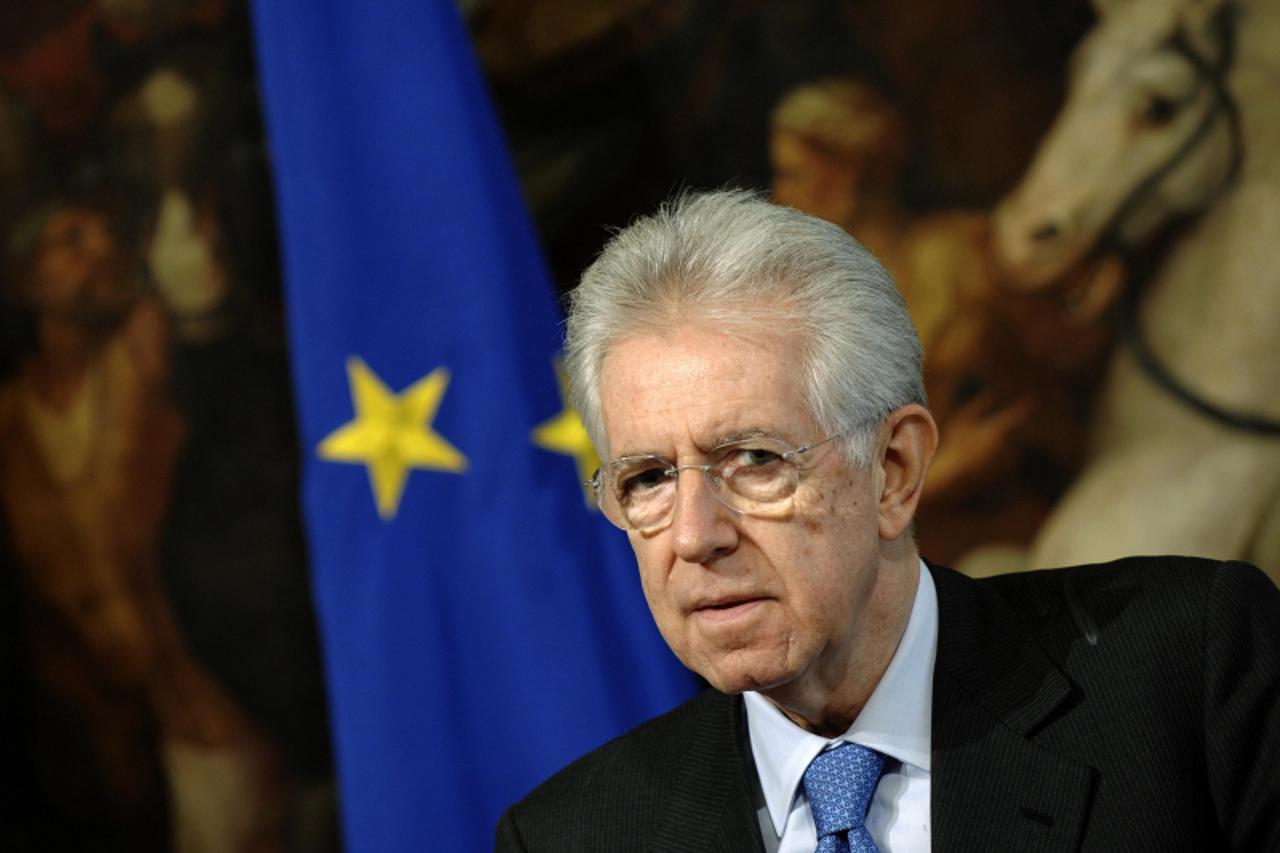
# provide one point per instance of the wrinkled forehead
(700, 383)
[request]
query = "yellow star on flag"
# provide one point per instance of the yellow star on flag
(565, 434)
(392, 433)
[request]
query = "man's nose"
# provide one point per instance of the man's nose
(702, 528)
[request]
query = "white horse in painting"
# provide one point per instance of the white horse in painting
(1173, 109)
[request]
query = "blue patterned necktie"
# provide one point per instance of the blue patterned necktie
(839, 784)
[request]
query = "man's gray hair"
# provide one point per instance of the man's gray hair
(745, 266)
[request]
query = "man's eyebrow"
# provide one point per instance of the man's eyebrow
(716, 443)
(742, 435)
(638, 454)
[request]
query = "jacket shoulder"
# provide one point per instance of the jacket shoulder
(1174, 672)
(1151, 604)
(1167, 584)
(619, 790)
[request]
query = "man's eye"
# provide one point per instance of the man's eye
(642, 481)
(753, 457)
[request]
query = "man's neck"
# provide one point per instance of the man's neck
(58, 368)
(827, 703)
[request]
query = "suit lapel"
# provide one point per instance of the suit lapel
(710, 804)
(992, 787)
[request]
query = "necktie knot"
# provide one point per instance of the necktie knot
(839, 784)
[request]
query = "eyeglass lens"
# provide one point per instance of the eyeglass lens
(755, 478)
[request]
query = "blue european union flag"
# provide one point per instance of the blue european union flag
(481, 625)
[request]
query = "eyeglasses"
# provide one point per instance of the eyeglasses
(755, 476)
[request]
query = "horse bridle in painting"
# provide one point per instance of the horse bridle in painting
(1215, 74)
(1223, 106)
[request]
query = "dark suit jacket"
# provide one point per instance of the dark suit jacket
(1128, 706)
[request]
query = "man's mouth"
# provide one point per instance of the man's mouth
(722, 610)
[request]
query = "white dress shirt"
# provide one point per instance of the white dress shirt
(895, 721)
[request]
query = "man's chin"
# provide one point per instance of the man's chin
(740, 678)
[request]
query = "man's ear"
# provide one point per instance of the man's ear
(909, 438)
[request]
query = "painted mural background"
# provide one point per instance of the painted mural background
(163, 685)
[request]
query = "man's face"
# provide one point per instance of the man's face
(748, 603)
(79, 272)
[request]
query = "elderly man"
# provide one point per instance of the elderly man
(752, 378)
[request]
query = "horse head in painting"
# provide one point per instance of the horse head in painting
(1149, 132)
(1172, 113)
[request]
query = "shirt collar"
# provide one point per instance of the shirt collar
(896, 720)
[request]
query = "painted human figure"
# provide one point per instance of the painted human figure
(89, 438)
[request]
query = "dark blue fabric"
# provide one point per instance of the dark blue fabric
(491, 628)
